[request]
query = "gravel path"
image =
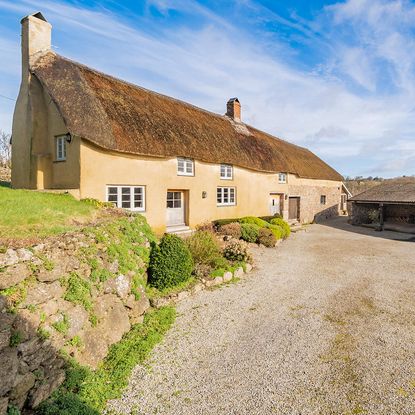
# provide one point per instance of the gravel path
(324, 325)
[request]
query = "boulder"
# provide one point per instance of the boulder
(182, 295)
(216, 281)
(22, 386)
(4, 338)
(122, 286)
(3, 303)
(113, 323)
(26, 323)
(227, 276)
(24, 254)
(45, 388)
(239, 272)
(197, 287)
(77, 317)
(40, 293)
(10, 257)
(4, 403)
(13, 275)
(9, 364)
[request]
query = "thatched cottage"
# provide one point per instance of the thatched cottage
(78, 130)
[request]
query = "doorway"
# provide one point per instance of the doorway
(294, 208)
(175, 208)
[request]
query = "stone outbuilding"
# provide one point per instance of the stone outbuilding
(389, 206)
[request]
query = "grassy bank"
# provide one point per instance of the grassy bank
(28, 214)
(86, 392)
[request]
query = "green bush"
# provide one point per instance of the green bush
(253, 220)
(249, 232)
(266, 237)
(236, 251)
(283, 225)
(231, 229)
(204, 247)
(276, 230)
(171, 262)
(269, 218)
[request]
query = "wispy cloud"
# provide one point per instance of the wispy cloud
(352, 104)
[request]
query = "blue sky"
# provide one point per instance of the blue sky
(335, 76)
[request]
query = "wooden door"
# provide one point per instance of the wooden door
(175, 208)
(294, 208)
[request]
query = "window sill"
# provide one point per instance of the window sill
(59, 161)
(226, 204)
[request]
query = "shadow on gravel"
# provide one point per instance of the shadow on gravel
(342, 224)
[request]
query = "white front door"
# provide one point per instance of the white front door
(274, 204)
(175, 208)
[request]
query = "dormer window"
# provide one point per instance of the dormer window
(185, 166)
(61, 148)
(282, 178)
(226, 171)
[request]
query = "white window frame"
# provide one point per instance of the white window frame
(282, 177)
(119, 201)
(61, 148)
(226, 171)
(223, 192)
(186, 163)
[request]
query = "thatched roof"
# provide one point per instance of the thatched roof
(388, 193)
(119, 116)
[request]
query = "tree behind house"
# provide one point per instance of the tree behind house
(5, 150)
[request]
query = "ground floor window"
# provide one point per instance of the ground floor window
(127, 197)
(323, 199)
(226, 196)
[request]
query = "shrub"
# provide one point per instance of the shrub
(283, 225)
(269, 218)
(220, 222)
(277, 231)
(206, 226)
(249, 232)
(253, 220)
(170, 262)
(236, 251)
(266, 237)
(204, 247)
(231, 229)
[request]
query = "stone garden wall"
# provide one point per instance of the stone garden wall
(72, 296)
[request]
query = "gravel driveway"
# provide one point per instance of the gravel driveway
(325, 324)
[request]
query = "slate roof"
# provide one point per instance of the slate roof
(388, 192)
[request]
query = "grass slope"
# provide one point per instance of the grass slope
(27, 214)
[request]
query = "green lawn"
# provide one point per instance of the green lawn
(28, 214)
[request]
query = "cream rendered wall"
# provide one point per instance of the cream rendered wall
(100, 168)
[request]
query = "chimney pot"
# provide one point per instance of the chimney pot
(233, 109)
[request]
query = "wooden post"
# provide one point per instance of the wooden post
(381, 216)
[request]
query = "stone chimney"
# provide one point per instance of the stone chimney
(233, 109)
(36, 39)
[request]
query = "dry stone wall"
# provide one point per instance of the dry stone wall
(68, 297)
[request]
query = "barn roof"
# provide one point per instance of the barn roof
(388, 193)
(123, 117)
